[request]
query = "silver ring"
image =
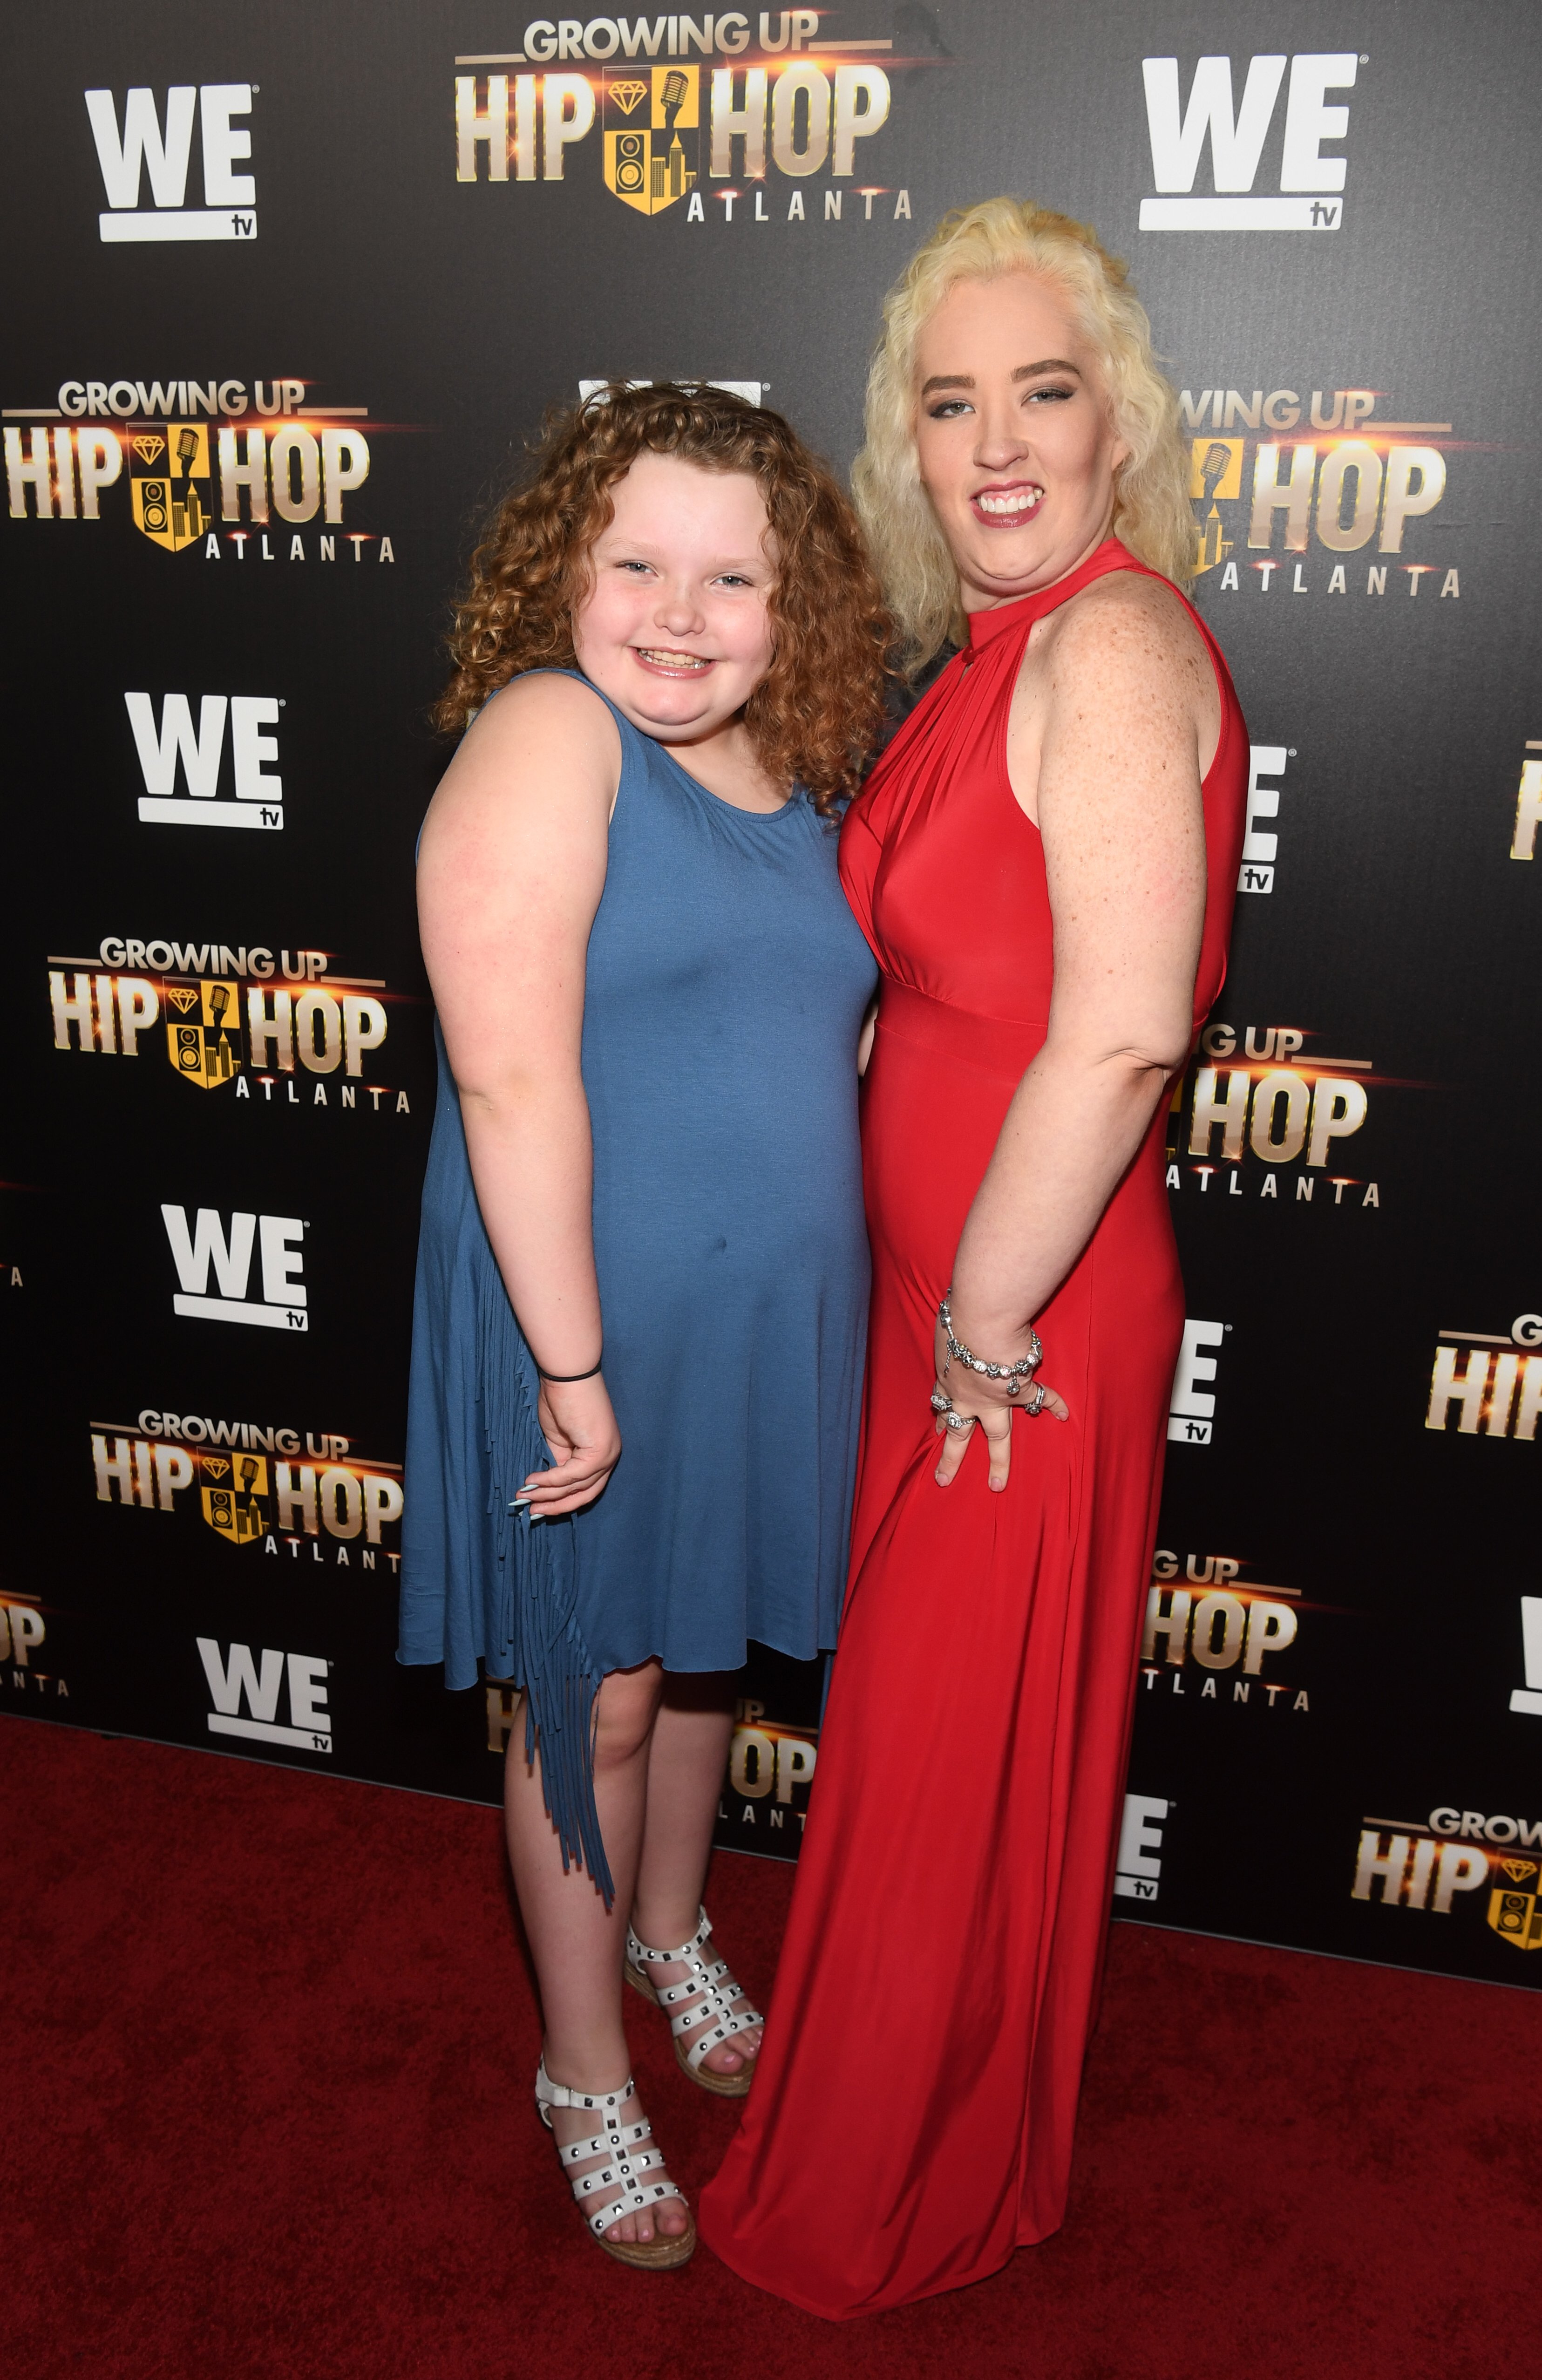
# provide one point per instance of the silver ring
(1036, 1402)
(958, 1421)
(940, 1401)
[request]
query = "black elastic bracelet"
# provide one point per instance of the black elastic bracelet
(565, 1379)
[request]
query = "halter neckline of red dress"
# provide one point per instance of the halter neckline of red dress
(1111, 556)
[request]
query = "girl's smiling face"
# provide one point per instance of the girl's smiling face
(674, 625)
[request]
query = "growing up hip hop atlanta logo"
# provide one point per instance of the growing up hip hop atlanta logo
(23, 1631)
(278, 485)
(1289, 485)
(254, 1484)
(1211, 1616)
(1257, 1115)
(790, 106)
(1488, 1382)
(277, 1024)
(1433, 1865)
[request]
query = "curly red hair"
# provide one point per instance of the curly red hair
(816, 717)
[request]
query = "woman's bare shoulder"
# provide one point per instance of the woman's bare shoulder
(1127, 621)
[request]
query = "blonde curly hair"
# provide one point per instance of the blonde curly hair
(1151, 511)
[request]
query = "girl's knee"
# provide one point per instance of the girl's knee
(624, 1713)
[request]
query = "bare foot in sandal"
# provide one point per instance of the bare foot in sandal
(604, 2141)
(717, 2030)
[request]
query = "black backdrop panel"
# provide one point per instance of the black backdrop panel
(287, 293)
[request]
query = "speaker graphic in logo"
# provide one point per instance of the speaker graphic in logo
(651, 129)
(164, 469)
(203, 1033)
(233, 1484)
(1513, 1911)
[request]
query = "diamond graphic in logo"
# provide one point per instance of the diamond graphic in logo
(1517, 1870)
(653, 166)
(203, 1034)
(148, 447)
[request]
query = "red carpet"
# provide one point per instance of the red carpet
(267, 2046)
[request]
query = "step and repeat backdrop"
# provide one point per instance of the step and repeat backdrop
(288, 291)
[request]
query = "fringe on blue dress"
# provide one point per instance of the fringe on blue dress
(537, 1616)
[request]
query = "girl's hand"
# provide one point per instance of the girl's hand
(983, 1404)
(580, 1429)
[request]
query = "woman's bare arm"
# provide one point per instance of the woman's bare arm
(510, 873)
(1127, 715)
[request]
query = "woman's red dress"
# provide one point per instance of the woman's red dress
(914, 2107)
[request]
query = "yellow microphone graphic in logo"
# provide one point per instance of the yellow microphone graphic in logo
(230, 1501)
(203, 1034)
(1217, 475)
(651, 129)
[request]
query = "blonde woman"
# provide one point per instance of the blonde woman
(1043, 863)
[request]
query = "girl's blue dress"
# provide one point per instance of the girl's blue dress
(725, 992)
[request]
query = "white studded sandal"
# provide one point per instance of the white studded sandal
(714, 1989)
(620, 2177)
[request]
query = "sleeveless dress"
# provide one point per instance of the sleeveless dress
(724, 990)
(915, 2100)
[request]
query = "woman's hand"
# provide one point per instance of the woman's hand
(979, 1402)
(580, 1429)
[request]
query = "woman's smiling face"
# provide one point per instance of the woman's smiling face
(674, 625)
(1014, 435)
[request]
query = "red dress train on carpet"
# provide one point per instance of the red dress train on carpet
(914, 2104)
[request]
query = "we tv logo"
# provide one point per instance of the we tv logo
(1190, 1409)
(1137, 1869)
(144, 144)
(1311, 185)
(206, 1249)
(162, 743)
(1260, 845)
(238, 1679)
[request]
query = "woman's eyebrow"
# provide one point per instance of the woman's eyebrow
(1023, 371)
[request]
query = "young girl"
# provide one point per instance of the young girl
(642, 1279)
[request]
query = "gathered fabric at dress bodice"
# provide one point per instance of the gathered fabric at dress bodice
(945, 871)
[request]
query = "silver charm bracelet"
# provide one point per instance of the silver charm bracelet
(1016, 1376)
